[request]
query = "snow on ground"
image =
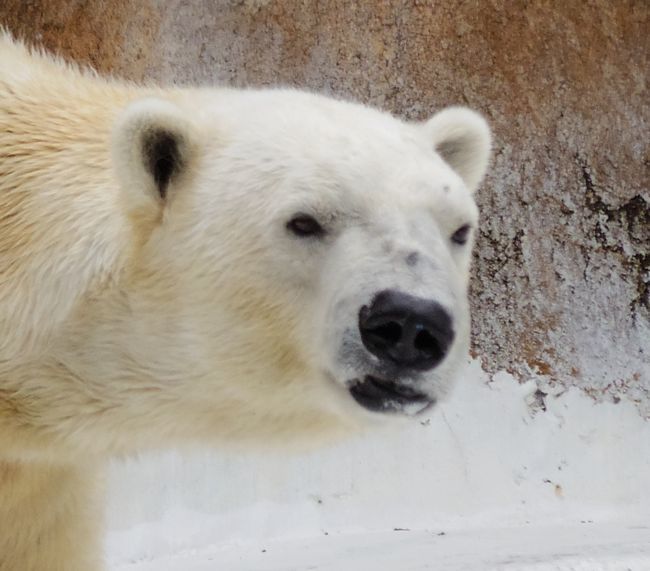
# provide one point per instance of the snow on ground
(489, 481)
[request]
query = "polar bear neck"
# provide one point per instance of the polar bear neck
(54, 169)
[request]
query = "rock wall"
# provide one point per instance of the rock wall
(561, 287)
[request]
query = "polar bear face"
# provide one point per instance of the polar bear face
(303, 260)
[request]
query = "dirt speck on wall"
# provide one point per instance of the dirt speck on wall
(561, 280)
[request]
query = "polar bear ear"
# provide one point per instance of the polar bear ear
(152, 147)
(462, 138)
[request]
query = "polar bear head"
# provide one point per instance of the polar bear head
(302, 261)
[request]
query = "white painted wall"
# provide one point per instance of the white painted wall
(483, 457)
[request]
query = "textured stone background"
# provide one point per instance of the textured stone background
(561, 281)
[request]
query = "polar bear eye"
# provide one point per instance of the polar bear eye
(461, 235)
(304, 225)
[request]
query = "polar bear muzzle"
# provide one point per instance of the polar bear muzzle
(408, 335)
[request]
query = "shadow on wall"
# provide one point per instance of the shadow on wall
(561, 280)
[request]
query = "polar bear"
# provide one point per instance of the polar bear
(211, 265)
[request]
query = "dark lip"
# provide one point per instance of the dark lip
(387, 396)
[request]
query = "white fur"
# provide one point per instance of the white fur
(131, 320)
(139, 119)
(463, 139)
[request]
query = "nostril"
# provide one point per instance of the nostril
(427, 344)
(424, 341)
(390, 332)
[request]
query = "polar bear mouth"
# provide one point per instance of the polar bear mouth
(386, 396)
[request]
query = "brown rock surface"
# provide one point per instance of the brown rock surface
(561, 284)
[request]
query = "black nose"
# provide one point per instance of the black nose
(411, 332)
